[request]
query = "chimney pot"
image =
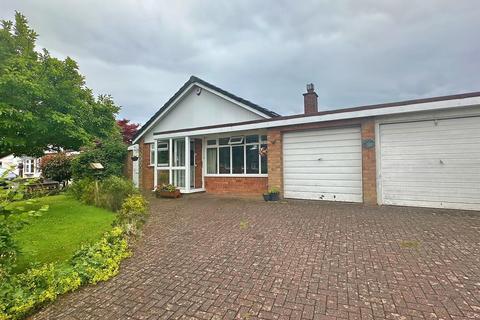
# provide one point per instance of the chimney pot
(310, 100)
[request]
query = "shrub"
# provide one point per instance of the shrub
(110, 153)
(21, 293)
(100, 261)
(57, 167)
(82, 190)
(113, 192)
(109, 193)
(132, 215)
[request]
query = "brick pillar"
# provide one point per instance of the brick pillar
(369, 167)
(146, 171)
(275, 159)
(128, 166)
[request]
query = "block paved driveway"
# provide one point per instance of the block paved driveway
(207, 257)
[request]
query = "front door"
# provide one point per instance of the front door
(192, 163)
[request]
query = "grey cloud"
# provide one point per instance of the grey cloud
(356, 52)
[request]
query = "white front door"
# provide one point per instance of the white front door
(323, 164)
(433, 163)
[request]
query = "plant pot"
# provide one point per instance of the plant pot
(266, 196)
(166, 194)
(274, 197)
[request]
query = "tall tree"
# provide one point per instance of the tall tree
(44, 102)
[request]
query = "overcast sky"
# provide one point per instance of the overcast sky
(355, 52)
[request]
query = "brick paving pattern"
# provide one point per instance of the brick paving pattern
(205, 257)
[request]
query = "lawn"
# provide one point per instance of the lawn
(60, 231)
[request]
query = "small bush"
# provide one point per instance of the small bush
(109, 193)
(57, 166)
(132, 215)
(101, 261)
(113, 191)
(83, 190)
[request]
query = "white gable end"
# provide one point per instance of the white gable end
(201, 110)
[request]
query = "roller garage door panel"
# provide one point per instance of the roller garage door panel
(323, 164)
(431, 163)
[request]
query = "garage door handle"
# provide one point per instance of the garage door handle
(441, 161)
(319, 159)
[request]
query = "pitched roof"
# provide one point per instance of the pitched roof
(193, 80)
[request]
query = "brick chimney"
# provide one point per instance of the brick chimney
(310, 100)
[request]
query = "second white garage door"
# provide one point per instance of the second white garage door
(432, 163)
(323, 164)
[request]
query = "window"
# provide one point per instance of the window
(237, 155)
(162, 154)
(252, 159)
(224, 160)
(211, 160)
(235, 140)
(28, 166)
(238, 162)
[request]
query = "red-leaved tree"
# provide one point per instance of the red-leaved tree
(128, 130)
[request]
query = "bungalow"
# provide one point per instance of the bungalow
(423, 152)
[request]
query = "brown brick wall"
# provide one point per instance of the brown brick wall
(236, 185)
(128, 166)
(275, 153)
(275, 159)
(369, 168)
(146, 171)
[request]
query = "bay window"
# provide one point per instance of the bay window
(237, 155)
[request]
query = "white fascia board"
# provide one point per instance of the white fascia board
(417, 107)
(261, 114)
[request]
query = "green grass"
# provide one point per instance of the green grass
(60, 231)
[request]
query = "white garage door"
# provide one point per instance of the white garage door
(431, 163)
(323, 164)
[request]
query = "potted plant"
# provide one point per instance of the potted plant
(273, 194)
(167, 191)
(266, 196)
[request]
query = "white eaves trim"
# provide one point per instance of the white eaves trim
(415, 107)
(165, 112)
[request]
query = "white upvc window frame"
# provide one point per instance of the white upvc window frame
(170, 167)
(29, 166)
(153, 153)
(231, 145)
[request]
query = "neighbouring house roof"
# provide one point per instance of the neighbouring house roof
(195, 80)
(424, 104)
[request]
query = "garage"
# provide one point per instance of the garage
(434, 163)
(323, 164)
